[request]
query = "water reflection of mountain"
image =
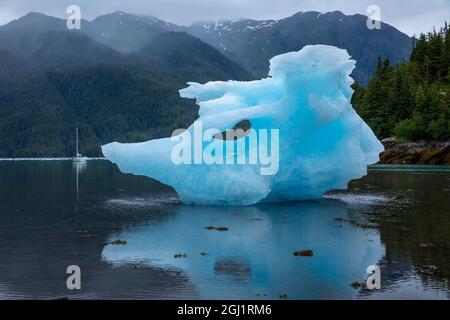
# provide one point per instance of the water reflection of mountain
(414, 229)
(237, 268)
(45, 226)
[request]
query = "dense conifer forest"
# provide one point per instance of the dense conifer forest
(411, 100)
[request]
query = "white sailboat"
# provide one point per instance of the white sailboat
(79, 157)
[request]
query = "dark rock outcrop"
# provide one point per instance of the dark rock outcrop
(421, 152)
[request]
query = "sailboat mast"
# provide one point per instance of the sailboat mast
(77, 142)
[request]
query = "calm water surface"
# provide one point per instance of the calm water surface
(57, 213)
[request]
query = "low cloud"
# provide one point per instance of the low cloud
(409, 16)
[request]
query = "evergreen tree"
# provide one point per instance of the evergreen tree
(411, 101)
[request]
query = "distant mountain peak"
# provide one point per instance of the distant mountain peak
(35, 18)
(237, 25)
(252, 43)
(249, 42)
(127, 32)
(35, 14)
(149, 19)
(319, 13)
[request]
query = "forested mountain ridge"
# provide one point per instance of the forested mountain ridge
(252, 43)
(193, 59)
(118, 77)
(53, 80)
(34, 118)
(127, 32)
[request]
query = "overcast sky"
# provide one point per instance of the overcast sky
(409, 16)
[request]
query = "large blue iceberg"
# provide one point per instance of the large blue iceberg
(299, 136)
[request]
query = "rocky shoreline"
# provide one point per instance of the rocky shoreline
(421, 152)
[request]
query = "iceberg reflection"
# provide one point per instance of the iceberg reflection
(254, 256)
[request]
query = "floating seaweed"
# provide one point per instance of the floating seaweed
(303, 253)
(216, 228)
(117, 242)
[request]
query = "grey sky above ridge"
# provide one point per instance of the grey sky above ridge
(409, 16)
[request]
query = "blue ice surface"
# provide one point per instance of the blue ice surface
(323, 143)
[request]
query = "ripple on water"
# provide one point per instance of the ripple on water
(141, 202)
(359, 199)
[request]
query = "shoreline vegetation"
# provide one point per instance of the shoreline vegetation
(408, 105)
(396, 153)
(410, 101)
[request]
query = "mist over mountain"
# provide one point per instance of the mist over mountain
(191, 58)
(249, 43)
(54, 79)
(33, 115)
(252, 43)
(126, 32)
(118, 77)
